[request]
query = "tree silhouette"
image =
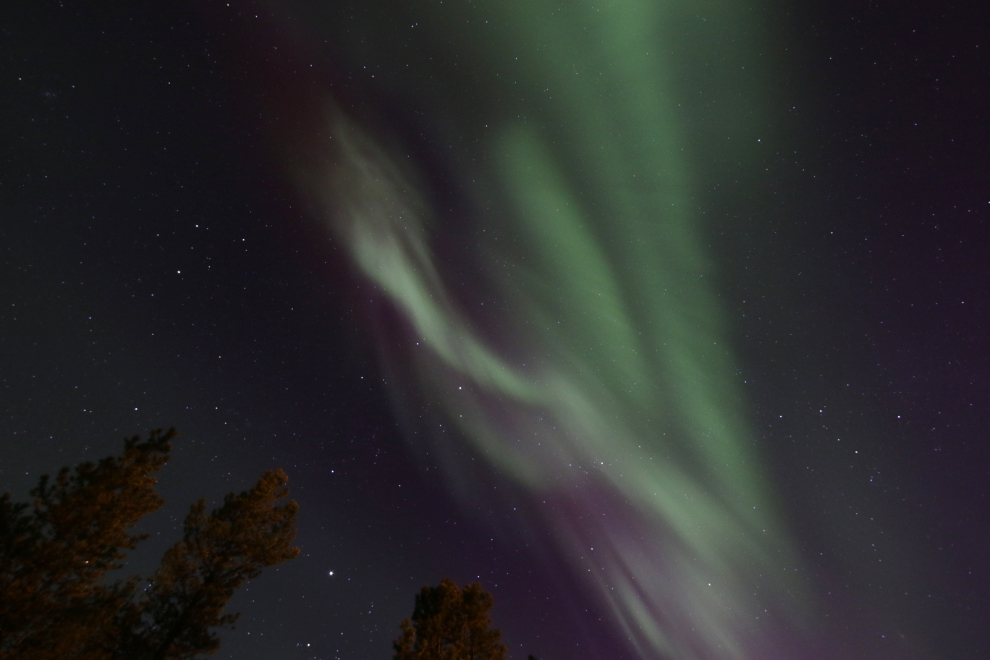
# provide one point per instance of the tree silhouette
(449, 623)
(56, 552)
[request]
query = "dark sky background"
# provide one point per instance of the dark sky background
(157, 270)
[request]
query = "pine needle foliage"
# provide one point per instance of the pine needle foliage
(449, 623)
(56, 600)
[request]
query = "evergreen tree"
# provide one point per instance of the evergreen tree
(200, 573)
(449, 623)
(56, 552)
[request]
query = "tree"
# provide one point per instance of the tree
(55, 555)
(199, 574)
(449, 623)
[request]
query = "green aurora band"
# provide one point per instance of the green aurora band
(609, 390)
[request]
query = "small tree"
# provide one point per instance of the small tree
(449, 623)
(55, 555)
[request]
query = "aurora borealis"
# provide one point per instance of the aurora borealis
(586, 302)
(609, 396)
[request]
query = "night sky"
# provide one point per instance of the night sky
(819, 209)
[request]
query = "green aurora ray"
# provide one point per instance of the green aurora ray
(609, 390)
